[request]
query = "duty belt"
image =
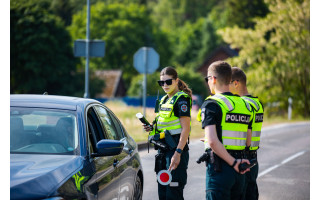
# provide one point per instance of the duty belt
(238, 154)
(251, 154)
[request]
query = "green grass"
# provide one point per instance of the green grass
(127, 116)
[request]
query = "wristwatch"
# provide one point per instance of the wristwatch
(234, 163)
(179, 150)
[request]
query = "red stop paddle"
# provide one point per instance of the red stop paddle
(164, 177)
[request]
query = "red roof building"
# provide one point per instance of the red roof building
(114, 83)
(220, 53)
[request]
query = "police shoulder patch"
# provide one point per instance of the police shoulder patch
(202, 116)
(184, 108)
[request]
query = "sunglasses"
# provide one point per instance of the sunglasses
(168, 82)
(207, 78)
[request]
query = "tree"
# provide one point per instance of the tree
(244, 12)
(188, 43)
(276, 54)
(230, 13)
(194, 80)
(136, 87)
(124, 28)
(171, 14)
(40, 54)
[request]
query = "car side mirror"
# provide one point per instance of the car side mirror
(108, 147)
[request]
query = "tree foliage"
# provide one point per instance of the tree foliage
(194, 42)
(41, 54)
(194, 80)
(172, 14)
(124, 28)
(136, 86)
(35, 68)
(277, 54)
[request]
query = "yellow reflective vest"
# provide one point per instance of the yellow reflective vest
(236, 115)
(256, 122)
(165, 119)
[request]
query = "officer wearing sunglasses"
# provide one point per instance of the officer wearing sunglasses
(225, 119)
(174, 116)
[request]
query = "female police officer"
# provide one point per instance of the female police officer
(173, 116)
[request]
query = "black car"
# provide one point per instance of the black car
(70, 148)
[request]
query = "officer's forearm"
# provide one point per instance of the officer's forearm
(249, 134)
(216, 145)
(219, 149)
(185, 125)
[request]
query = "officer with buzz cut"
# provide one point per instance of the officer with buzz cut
(239, 86)
(225, 118)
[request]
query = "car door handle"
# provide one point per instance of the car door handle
(115, 162)
(131, 151)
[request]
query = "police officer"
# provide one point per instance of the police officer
(174, 116)
(225, 118)
(239, 86)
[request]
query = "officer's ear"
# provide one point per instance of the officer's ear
(236, 83)
(214, 79)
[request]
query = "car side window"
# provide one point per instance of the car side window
(95, 130)
(108, 124)
(117, 124)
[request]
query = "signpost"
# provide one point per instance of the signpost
(146, 61)
(289, 108)
(87, 48)
(96, 48)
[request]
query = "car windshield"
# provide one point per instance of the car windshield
(48, 131)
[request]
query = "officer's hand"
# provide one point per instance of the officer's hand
(236, 167)
(175, 160)
(147, 128)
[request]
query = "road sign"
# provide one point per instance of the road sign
(146, 60)
(96, 48)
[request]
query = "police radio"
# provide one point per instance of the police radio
(244, 166)
(156, 107)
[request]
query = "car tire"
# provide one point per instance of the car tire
(137, 195)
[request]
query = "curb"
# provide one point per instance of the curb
(142, 145)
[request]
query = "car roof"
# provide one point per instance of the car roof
(49, 101)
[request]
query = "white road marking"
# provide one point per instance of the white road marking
(282, 163)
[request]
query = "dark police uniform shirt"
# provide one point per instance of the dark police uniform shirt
(181, 107)
(211, 114)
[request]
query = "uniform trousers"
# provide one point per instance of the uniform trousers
(226, 184)
(174, 191)
(251, 188)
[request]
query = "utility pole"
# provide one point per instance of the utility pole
(86, 94)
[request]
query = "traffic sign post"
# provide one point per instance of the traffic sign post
(96, 48)
(146, 61)
(87, 48)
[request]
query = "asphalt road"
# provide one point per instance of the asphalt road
(284, 165)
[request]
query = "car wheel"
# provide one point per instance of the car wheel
(138, 189)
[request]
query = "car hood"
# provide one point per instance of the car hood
(37, 176)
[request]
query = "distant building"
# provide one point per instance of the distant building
(220, 53)
(114, 83)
